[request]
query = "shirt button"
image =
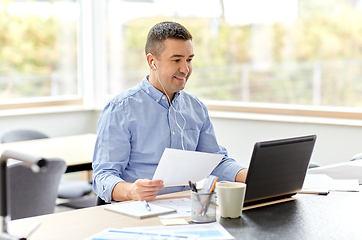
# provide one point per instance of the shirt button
(173, 133)
(163, 97)
(157, 100)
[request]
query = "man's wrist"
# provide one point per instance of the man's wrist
(121, 192)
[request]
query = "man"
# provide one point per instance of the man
(138, 124)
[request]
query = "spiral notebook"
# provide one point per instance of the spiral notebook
(138, 210)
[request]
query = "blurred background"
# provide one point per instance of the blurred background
(262, 54)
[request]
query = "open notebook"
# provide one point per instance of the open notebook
(138, 210)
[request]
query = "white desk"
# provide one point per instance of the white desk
(76, 151)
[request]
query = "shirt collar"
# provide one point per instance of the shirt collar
(153, 92)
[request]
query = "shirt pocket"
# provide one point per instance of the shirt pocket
(191, 139)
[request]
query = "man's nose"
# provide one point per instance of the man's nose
(185, 68)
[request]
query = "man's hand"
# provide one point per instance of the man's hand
(141, 189)
(144, 189)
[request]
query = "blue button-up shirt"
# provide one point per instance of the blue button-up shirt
(136, 127)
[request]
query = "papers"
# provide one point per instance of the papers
(317, 184)
(173, 221)
(178, 167)
(323, 184)
(207, 231)
(116, 234)
(137, 209)
(345, 185)
(182, 206)
(345, 170)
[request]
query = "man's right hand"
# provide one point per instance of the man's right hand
(141, 189)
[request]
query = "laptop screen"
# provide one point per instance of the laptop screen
(277, 168)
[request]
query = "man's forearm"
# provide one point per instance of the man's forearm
(241, 175)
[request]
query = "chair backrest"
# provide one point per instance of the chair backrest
(33, 194)
(21, 134)
(100, 201)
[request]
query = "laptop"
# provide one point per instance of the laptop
(277, 169)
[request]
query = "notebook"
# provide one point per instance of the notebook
(277, 169)
(138, 210)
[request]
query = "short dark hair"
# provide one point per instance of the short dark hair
(160, 32)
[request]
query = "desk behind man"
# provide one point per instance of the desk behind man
(75, 150)
(138, 124)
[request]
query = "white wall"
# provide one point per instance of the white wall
(335, 143)
(55, 124)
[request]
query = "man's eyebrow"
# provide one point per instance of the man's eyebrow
(180, 56)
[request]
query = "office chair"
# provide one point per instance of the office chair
(357, 157)
(313, 165)
(100, 201)
(67, 189)
(15, 135)
(33, 194)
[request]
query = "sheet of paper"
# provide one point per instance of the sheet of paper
(345, 185)
(173, 221)
(116, 234)
(317, 184)
(345, 170)
(206, 231)
(182, 205)
(178, 167)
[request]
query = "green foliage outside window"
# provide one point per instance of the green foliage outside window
(322, 49)
(316, 60)
(31, 55)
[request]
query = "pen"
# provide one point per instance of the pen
(193, 186)
(206, 204)
(147, 206)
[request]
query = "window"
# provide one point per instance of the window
(249, 54)
(289, 52)
(38, 53)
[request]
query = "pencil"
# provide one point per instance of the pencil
(207, 200)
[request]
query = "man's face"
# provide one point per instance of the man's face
(174, 65)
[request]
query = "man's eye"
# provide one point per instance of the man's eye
(176, 60)
(189, 60)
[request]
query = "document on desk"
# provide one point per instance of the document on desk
(323, 184)
(114, 234)
(345, 185)
(317, 184)
(182, 206)
(178, 167)
(205, 231)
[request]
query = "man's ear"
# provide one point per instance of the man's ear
(151, 61)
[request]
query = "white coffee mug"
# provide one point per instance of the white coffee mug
(230, 198)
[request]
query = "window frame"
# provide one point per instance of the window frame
(92, 72)
(285, 110)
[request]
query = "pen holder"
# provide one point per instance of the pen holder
(203, 207)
